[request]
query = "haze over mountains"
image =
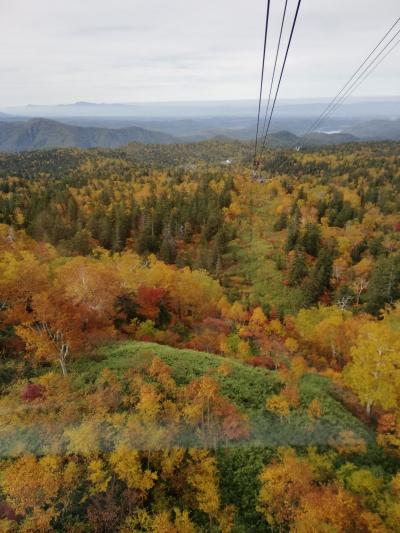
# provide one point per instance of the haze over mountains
(40, 133)
(374, 107)
(87, 125)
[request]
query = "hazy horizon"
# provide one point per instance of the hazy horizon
(286, 101)
(377, 106)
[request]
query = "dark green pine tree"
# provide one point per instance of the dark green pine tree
(73, 213)
(105, 232)
(104, 197)
(187, 232)
(281, 222)
(384, 285)
(320, 276)
(375, 246)
(93, 223)
(148, 241)
(324, 266)
(168, 248)
(298, 270)
(134, 215)
(218, 267)
(213, 223)
(293, 234)
(80, 243)
(224, 199)
(204, 254)
(312, 239)
(311, 289)
(121, 226)
(57, 230)
(321, 209)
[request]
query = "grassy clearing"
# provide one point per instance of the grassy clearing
(245, 386)
(252, 254)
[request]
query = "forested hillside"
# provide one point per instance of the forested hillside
(40, 133)
(186, 347)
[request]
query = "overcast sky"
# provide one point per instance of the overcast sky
(61, 51)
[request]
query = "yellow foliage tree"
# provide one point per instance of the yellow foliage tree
(278, 405)
(38, 488)
(98, 476)
(282, 483)
(374, 372)
(258, 321)
(126, 463)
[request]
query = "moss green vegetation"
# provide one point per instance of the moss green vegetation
(255, 256)
(247, 387)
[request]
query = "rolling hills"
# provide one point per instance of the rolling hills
(40, 133)
(19, 134)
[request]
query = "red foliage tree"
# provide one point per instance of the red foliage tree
(213, 414)
(7, 512)
(387, 423)
(32, 392)
(148, 300)
(264, 362)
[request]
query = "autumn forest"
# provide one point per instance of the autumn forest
(186, 347)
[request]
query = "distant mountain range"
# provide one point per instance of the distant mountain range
(377, 129)
(110, 125)
(364, 108)
(39, 133)
(334, 130)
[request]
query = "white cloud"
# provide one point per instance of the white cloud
(56, 51)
